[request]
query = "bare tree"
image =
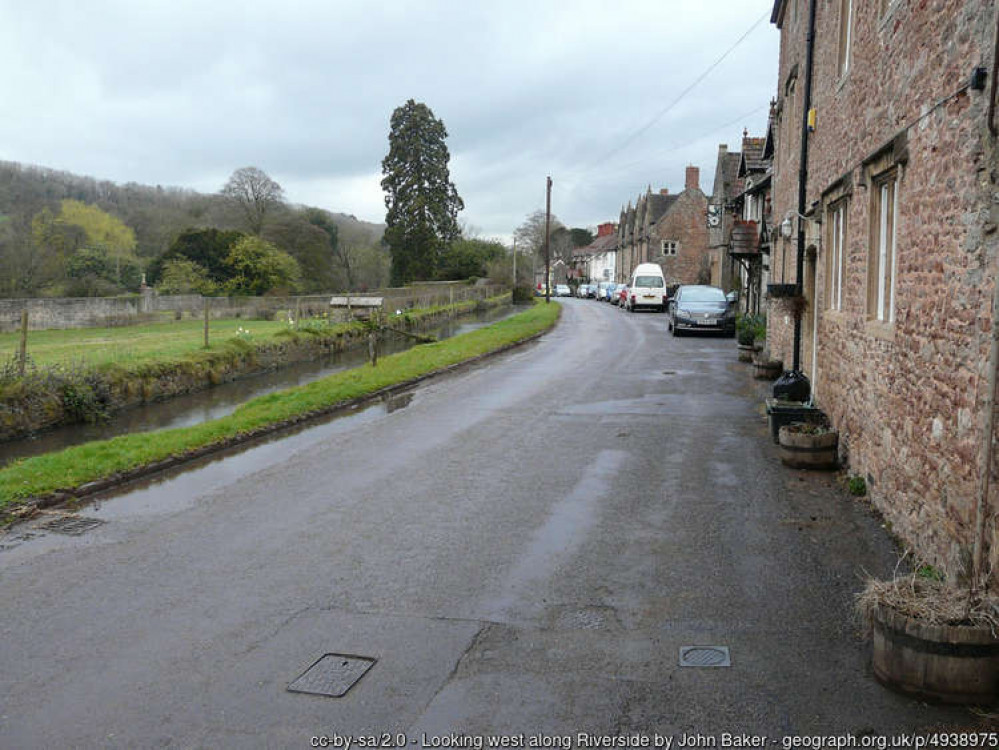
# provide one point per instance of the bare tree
(254, 193)
(530, 235)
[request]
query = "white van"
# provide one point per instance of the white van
(647, 288)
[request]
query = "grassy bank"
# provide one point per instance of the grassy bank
(82, 464)
(152, 345)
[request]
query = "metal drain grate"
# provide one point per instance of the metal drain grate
(332, 675)
(705, 656)
(72, 525)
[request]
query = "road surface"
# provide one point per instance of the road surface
(523, 547)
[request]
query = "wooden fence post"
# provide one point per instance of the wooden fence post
(22, 358)
(206, 321)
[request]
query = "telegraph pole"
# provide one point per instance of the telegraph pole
(548, 256)
(515, 261)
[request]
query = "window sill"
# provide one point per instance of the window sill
(880, 329)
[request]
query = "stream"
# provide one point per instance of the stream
(218, 401)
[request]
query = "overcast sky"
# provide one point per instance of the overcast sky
(182, 93)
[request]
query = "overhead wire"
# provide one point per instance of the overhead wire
(663, 112)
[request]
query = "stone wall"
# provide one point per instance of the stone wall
(685, 223)
(906, 395)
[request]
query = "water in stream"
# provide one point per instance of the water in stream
(212, 403)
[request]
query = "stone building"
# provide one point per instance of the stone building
(753, 230)
(727, 186)
(900, 248)
(668, 229)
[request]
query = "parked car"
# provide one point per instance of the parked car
(581, 291)
(647, 288)
(701, 308)
(622, 296)
(609, 292)
(562, 290)
(615, 295)
(591, 291)
(601, 291)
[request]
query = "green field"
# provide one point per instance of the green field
(126, 345)
(100, 459)
(169, 341)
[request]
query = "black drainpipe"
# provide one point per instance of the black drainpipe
(794, 384)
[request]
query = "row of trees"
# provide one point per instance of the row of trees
(64, 235)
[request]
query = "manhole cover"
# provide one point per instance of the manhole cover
(72, 525)
(705, 656)
(332, 675)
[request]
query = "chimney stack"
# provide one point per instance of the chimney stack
(693, 178)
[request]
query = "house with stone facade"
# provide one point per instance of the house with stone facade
(740, 225)
(899, 249)
(753, 230)
(721, 216)
(668, 229)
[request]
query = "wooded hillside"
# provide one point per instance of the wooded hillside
(66, 235)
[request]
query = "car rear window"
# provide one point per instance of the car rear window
(649, 281)
(705, 294)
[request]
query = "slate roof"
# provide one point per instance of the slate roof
(752, 156)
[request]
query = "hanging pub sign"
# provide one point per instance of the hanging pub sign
(714, 215)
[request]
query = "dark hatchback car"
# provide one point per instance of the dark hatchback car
(701, 308)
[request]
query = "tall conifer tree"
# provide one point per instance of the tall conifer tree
(422, 202)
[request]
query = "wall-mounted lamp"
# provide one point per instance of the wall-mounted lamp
(785, 228)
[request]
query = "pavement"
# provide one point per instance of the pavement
(518, 551)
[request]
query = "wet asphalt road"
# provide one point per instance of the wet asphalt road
(523, 547)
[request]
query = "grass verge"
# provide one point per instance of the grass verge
(80, 465)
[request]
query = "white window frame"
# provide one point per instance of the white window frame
(669, 247)
(836, 267)
(883, 265)
(845, 35)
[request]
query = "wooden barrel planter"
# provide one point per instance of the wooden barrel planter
(767, 369)
(945, 663)
(804, 448)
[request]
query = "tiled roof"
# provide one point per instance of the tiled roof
(604, 244)
(752, 156)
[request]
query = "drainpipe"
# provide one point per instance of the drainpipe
(803, 178)
(988, 426)
(795, 378)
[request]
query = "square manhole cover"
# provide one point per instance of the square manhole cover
(72, 525)
(705, 656)
(332, 675)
